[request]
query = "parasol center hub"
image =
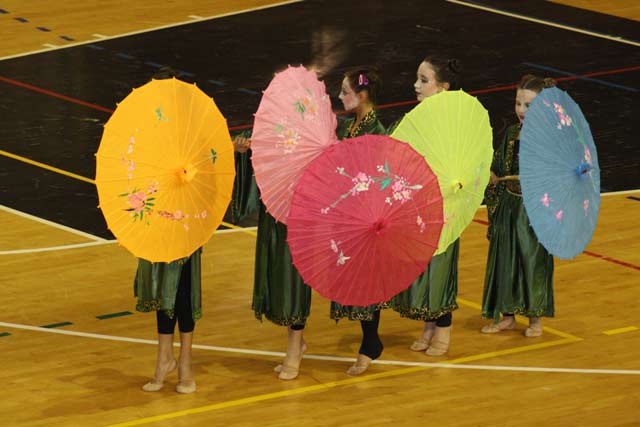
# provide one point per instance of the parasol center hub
(457, 186)
(187, 173)
(379, 226)
(583, 169)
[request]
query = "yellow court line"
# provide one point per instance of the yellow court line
(620, 330)
(333, 384)
(45, 166)
(82, 178)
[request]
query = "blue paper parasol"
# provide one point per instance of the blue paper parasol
(559, 173)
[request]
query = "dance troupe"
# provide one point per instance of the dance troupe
(519, 270)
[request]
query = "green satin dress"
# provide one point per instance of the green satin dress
(156, 285)
(519, 275)
(279, 293)
(433, 294)
(369, 125)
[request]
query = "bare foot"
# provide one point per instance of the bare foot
(534, 329)
(303, 350)
(507, 323)
(422, 343)
(162, 370)
(361, 365)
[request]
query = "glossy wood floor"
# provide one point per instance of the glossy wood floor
(89, 371)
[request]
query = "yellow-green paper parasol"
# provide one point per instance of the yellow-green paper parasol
(452, 131)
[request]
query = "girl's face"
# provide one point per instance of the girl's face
(524, 97)
(350, 99)
(426, 83)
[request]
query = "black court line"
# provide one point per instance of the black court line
(56, 325)
(113, 315)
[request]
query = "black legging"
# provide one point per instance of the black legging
(182, 308)
(371, 345)
(444, 321)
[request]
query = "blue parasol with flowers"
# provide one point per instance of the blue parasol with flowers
(559, 173)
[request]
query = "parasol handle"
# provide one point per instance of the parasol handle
(509, 178)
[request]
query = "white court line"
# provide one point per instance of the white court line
(329, 358)
(57, 248)
(548, 23)
(52, 224)
(97, 243)
(162, 27)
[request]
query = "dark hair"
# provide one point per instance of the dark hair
(366, 78)
(535, 83)
(446, 70)
(165, 72)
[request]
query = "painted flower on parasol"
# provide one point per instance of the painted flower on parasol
(165, 170)
(452, 131)
(293, 125)
(559, 173)
(365, 220)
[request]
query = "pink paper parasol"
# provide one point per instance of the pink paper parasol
(293, 125)
(365, 220)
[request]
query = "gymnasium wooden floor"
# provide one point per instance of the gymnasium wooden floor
(73, 351)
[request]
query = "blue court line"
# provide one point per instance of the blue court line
(185, 73)
(217, 82)
(56, 325)
(4, 334)
(23, 20)
(153, 64)
(94, 46)
(112, 315)
(577, 76)
(637, 199)
(249, 91)
(124, 56)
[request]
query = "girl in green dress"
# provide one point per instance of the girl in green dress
(432, 296)
(279, 293)
(173, 291)
(519, 276)
(359, 94)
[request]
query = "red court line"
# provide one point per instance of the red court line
(615, 261)
(380, 107)
(55, 94)
(589, 253)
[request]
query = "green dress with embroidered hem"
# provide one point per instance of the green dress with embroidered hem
(346, 129)
(279, 293)
(156, 285)
(519, 275)
(433, 294)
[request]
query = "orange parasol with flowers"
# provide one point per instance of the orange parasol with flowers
(165, 170)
